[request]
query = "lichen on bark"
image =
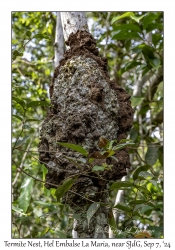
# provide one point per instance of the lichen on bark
(86, 105)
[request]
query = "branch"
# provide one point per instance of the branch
(20, 169)
(22, 162)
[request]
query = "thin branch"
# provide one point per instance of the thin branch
(33, 176)
(22, 162)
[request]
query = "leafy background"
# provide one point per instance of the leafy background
(133, 44)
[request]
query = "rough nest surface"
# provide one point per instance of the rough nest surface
(86, 106)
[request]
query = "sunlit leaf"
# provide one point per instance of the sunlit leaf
(136, 101)
(97, 168)
(18, 210)
(25, 193)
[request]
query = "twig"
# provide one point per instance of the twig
(22, 162)
(33, 176)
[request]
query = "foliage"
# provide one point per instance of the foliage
(133, 44)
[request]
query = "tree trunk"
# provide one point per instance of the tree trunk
(59, 41)
(86, 106)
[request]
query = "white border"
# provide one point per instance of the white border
(5, 96)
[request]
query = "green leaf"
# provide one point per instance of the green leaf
(98, 168)
(140, 169)
(127, 27)
(143, 190)
(38, 36)
(43, 232)
(153, 26)
(128, 14)
(20, 142)
(92, 210)
(74, 147)
(44, 204)
(136, 101)
(145, 175)
(32, 120)
(133, 134)
(146, 210)
(111, 220)
(63, 188)
(16, 53)
(18, 117)
(152, 155)
(149, 18)
(37, 104)
(20, 101)
(156, 38)
(137, 202)
(61, 235)
(25, 193)
(147, 51)
(123, 145)
(26, 126)
(137, 18)
(159, 198)
(123, 208)
(124, 34)
(18, 210)
(155, 62)
(41, 36)
(28, 33)
(129, 66)
(120, 184)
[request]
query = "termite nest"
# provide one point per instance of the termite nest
(86, 105)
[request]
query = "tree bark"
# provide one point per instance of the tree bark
(86, 106)
(72, 22)
(59, 41)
